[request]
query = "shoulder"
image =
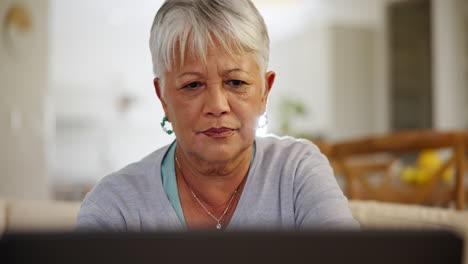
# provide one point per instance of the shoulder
(293, 161)
(286, 143)
(304, 174)
(117, 200)
(130, 182)
(287, 149)
(132, 198)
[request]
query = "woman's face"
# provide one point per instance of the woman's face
(214, 106)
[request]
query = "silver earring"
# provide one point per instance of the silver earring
(163, 126)
(263, 121)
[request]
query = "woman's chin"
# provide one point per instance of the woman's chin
(220, 153)
(220, 149)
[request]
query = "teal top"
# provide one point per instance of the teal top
(170, 183)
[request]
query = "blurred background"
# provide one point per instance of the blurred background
(77, 100)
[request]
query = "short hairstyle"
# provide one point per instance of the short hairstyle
(192, 26)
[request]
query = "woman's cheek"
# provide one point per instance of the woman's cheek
(252, 124)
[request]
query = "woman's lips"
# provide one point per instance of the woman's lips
(222, 132)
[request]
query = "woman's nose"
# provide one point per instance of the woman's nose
(216, 101)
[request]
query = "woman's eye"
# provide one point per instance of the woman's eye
(192, 85)
(236, 82)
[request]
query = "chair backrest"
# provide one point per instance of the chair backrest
(403, 142)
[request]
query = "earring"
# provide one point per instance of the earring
(163, 126)
(262, 121)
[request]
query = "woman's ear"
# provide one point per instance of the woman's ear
(269, 80)
(159, 93)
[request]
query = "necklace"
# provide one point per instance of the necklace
(217, 219)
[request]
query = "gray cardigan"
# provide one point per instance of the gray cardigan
(290, 186)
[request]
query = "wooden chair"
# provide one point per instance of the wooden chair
(345, 159)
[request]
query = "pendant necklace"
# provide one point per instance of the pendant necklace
(217, 219)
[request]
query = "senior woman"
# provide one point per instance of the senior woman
(210, 59)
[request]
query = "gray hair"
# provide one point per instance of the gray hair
(195, 25)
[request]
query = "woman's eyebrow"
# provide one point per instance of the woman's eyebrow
(189, 73)
(234, 70)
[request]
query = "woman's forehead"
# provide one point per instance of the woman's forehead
(219, 57)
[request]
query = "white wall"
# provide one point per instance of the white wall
(99, 55)
(301, 63)
(450, 71)
(352, 83)
(25, 127)
(450, 64)
(381, 96)
(309, 62)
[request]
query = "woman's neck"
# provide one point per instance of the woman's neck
(214, 183)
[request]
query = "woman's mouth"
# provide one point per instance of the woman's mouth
(222, 132)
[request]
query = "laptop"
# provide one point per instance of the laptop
(392, 247)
